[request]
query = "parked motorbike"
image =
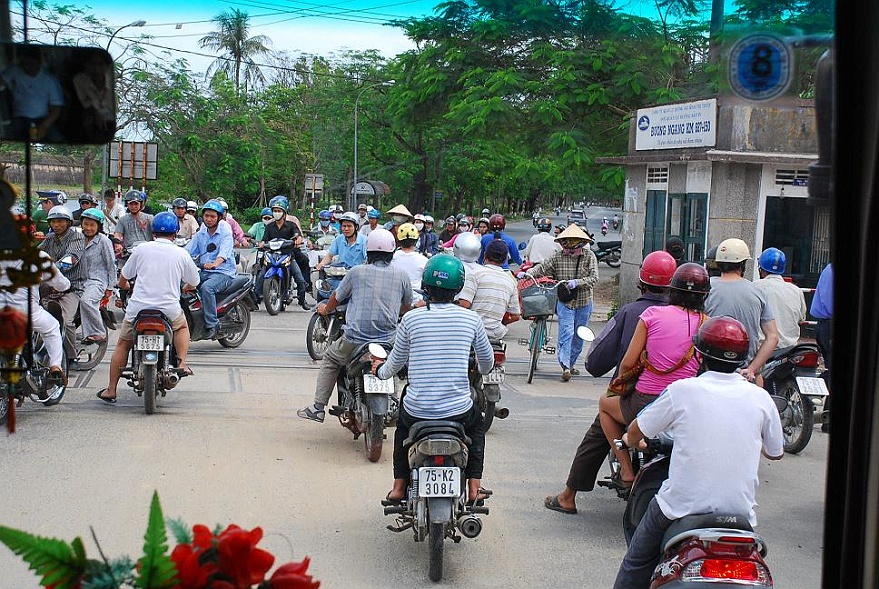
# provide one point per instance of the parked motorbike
(436, 506)
(486, 388)
(367, 404)
(322, 331)
(152, 370)
(609, 252)
(793, 380)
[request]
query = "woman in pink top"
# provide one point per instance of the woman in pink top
(666, 335)
(464, 226)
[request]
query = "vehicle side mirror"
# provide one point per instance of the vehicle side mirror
(585, 334)
(378, 351)
(74, 102)
(522, 246)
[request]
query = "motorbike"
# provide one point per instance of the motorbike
(616, 224)
(322, 331)
(234, 305)
(276, 289)
(436, 506)
(367, 404)
(609, 252)
(486, 388)
(793, 379)
(152, 370)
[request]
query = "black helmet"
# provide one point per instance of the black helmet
(544, 224)
(178, 203)
(724, 339)
(691, 277)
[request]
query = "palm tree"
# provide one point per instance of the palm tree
(237, 49)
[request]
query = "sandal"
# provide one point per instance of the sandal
(108, 400)
(310, 413)
(553, 504)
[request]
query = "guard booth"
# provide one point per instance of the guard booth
(369, 192)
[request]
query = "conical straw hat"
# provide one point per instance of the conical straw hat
(573, 231)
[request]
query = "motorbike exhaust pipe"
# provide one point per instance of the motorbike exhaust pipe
(470, 525)
(171, 380)
(501, 413)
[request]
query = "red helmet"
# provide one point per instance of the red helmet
(724, 339)
(691, 277)
(497, 222)
(657, 269)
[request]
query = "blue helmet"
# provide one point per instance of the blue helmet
(325, 215)
(214, 205)
(772, 260)
(373, 214)
(166, 222)
(279, 201)
(266, 212)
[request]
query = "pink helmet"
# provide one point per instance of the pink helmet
(381, 240)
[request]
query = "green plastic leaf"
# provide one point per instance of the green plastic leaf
(57, 562)
(157, 570)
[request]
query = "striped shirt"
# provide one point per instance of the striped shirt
(491, 294)
(435, 341)
(100, 262)
(71, 243)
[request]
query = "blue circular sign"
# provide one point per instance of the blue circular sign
(760, 67)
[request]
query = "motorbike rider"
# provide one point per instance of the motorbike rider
(786, 300)
(398, 215)
(100, 261)
(324, 225)
(362, 212)
(409, 259)
(482, 226)
(496, 225)
(237, 232)
(711, 262)
(485, 212)
(428, 240)
(616, 221)
(721, 424)
(377, 293)
(192, 209)
(350, 246)
(450, 229)
(160, 268)
(464, 226)
(281, 228)
(258, 229)
(605, 354)
(542, 245)
(576, 266)
(136, 226)
(557, 230)
(46, 201)
(64, 241)
(733, 295)
(494, 294)
(113, 211)
(188, 224)
(435, 342)
(86, 201)
(217, 265)
(604, 226)
(371, 222)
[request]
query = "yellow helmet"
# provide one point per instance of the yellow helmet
(407, 231)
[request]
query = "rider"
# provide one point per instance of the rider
(493, 294)
(543, 245)
(398, 215)
(604, 226)
(237, 232)
(136, 226)
(160, 267)
(377, 294)
(281, 228)
(409, 259)
(428, 240)
(47, 200)
(450, 229)
(86, 201)
(721, 425)
(64, 241)
(192, 209)
(616, 221)
(112, 209)
(362, 215)
(711, 262)
(496, 225)
(435, 342)
(371, 222)
(188, 224)
(786, 300)
(217, 264)
(464, 226)
(325, 224)
(100, 262)
(258, 229)
(350, 246)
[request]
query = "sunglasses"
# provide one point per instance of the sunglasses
(267, 218)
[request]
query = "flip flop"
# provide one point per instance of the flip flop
(553, 503)
(108, 400)
(389, 501)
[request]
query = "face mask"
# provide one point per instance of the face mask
(419, 226)
(400, 219)
(267, 221)
(324, 223)
(278, 215)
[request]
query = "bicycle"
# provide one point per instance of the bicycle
(538, 302)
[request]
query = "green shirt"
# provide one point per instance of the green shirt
(39, 219)
(257, 230)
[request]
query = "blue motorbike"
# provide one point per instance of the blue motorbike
(277, 274)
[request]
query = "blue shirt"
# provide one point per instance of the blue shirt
(511, 247)
(351, 255)
(222, 237)
(822, 302)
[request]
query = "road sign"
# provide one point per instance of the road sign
(134, 160)
(760, 67)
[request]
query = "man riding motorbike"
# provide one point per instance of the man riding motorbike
(786, 300)
(86, 201)
(281, 228)
(136, 226)
(350, 246)
(496, 226)
(188, 224)
(371, 222)
(160, 268)
(543, 245)
(493, 295)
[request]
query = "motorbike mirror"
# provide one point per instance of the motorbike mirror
(522, 246)
(585, 334)
(378, 351)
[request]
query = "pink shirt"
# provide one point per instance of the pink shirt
(670, 332)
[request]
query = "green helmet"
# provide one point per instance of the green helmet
(443, 271)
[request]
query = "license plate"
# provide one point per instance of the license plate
(151, 343)
(439, 481)
(496, 376)
(812, 386)
(374, 385)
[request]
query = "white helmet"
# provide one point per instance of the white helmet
(467, 247)
(419, 217)
(191, 205)
(223, 202)
(350, 217)
(732, 250)
(428, 219)
(380, 240)
(59, 212)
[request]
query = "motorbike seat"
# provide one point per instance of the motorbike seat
(609, 245)
(237, 283)
(423, 429)
(727, 521)
(791, 351)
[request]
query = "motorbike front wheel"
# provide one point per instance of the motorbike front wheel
(273, 295)
(798, 419)
(375, 433)
(238, 319)
(317, 337)
(436, 533)
(88, 355)
(150, 392)
(613, 259)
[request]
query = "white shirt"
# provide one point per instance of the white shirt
(788, 304)
(160, 267)
(18, 299)
(413, 264)
(112, 216)
(541, 246)
(720, 424)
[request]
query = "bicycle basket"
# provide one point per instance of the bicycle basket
(537, 297)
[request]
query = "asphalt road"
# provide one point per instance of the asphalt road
(226, 447)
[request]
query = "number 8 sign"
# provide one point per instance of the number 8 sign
(760, 67)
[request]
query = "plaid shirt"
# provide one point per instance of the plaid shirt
(562, 267)
(73, 243)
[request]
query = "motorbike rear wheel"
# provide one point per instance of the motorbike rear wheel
(317, 337)
(239, 315)
(798, 419)
(436, 533)
(613, 259)
(375, 433)
(273, 295)
(150, 392)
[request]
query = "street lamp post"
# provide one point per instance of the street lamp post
(106, 150)
(353, 201)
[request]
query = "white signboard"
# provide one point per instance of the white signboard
(139, 161)
(676, 126)
(364, 188)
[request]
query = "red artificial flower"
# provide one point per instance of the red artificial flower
(293, 576)
(191, 573)
(240, 560)
(202, 537)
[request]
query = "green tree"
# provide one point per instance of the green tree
(237, 48)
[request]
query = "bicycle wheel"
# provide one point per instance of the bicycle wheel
(537, 340)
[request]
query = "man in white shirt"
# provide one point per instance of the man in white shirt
(113, 211)
(721, 424)
(409, 260)
(786, 300)
(493, 294)
(160, 267)
(543, 245)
